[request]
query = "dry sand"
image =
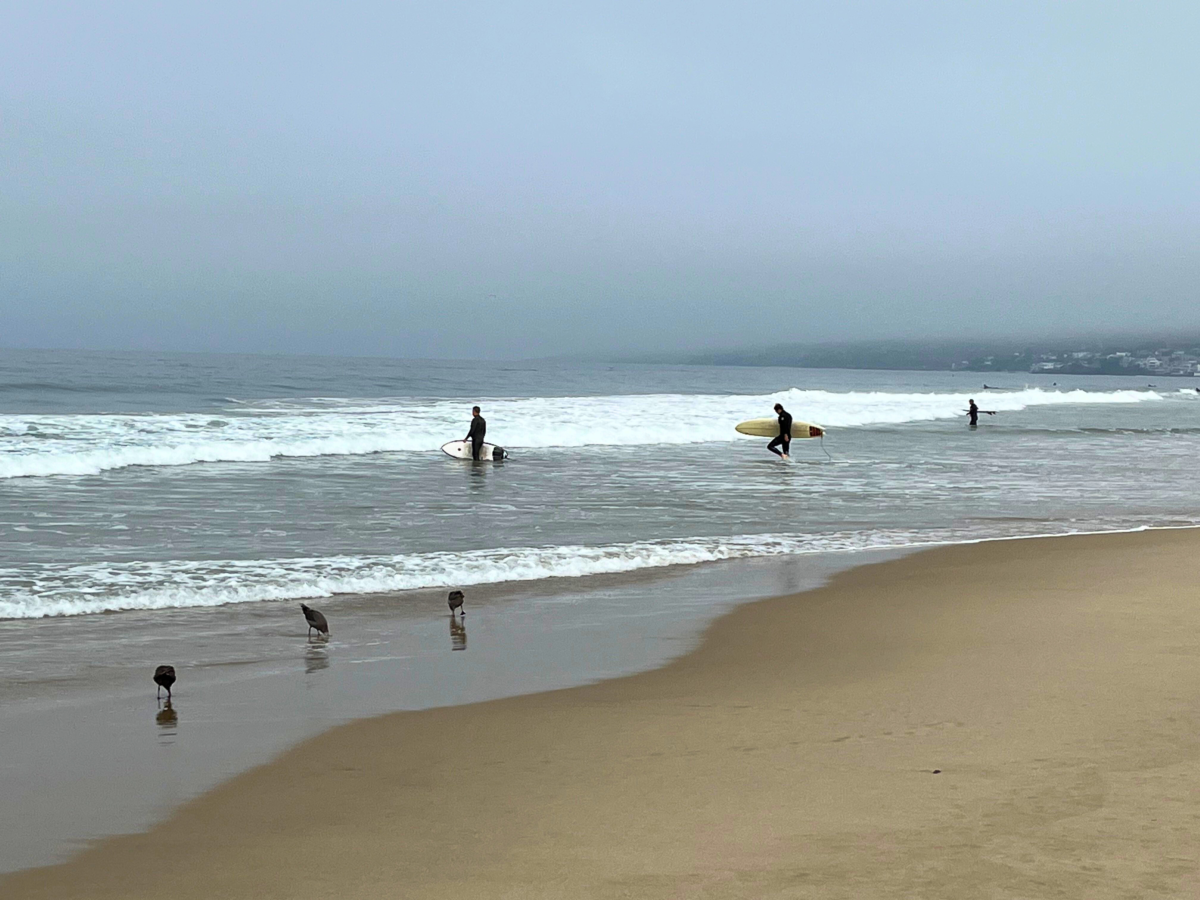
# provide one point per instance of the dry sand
(1055, 683)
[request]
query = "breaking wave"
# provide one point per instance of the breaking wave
(41, 590)
(248, 432)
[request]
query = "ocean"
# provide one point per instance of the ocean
(132, 481)
(176, 507)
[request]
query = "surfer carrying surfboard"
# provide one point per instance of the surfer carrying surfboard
(478, 430)
(784, 437)
(973, 411)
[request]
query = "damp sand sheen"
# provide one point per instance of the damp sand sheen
(1008, 719)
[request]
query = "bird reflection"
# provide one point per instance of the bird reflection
(458, 634)
(316, 658)
(167, 719)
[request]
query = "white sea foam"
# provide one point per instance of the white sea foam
(38, 591)
(34, 445)
(34, 592)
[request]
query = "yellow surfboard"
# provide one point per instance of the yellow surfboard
(769, 428)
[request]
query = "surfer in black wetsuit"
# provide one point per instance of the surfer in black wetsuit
(973, 411)
(784, 438)
(478, 430)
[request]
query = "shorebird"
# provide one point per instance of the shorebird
(454, 601)
(315, 620)
(164, 677)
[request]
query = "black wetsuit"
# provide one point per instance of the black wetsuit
(973, 412)
(785, 435)
(475, 435)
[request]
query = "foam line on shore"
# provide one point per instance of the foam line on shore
(40, 591)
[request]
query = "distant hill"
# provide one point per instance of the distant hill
(1165, 356)
(858, 355)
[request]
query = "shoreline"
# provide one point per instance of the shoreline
(243, 701)
(252, 686)
(791, 753)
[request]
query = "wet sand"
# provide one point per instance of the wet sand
(86, 751)
(1011, 719)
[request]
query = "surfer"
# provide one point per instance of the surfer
(478, 430)
(973, 411)
(784, 437)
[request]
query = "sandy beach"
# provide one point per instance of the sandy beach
(1008, 719)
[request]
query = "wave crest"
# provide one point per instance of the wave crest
(249, 432)
(40, 591)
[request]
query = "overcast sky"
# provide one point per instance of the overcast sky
(452, 179)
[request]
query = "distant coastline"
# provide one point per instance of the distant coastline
(1179, 357)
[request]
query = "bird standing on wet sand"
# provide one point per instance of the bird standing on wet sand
(164, 677)
(454, 601)
(315, 620)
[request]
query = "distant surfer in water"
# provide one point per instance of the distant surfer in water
(784, 437)
(478, 430)
(973, 411)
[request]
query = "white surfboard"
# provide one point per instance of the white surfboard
(462, 450)
(769, 428)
